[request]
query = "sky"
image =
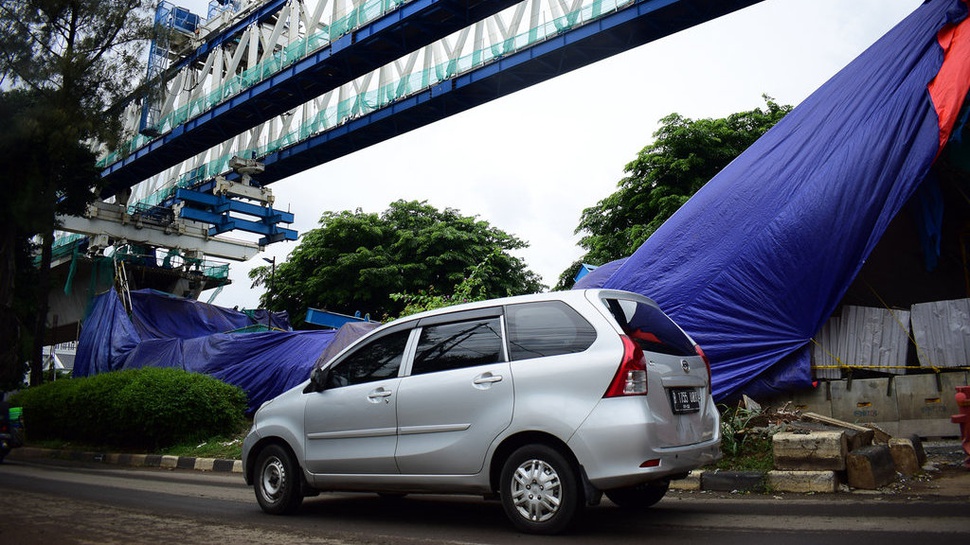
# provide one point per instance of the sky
(530, 162)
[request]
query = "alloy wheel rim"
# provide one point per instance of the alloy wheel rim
(536, 490)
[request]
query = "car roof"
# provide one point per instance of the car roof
(567, 295)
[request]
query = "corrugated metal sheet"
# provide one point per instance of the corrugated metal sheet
(825, 349)
(942, 333)
(865, 337)
(875, 337)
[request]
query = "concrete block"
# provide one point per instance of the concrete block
(204, 464)
(938, 427)
(814, 400)
(926, 403)
(803, 481)
(169, 462)
(864, 400)
(138, 460)
(920, 398)
(904, 456)
(870, 467)
(815, 451)
(918, 447)
(733, 481)
(858, 439)
(691, 482)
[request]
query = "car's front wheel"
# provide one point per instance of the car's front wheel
(640, 496)
(277, 481)
(540, 490)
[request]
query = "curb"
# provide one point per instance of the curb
(758, 482)
(708, 481)
(711, 481)
(217, 465)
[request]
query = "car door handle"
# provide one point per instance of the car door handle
(488, 378)
(378, 394)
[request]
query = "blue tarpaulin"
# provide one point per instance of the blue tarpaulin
(167, 331)
(756, 262)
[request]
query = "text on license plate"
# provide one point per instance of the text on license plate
(685, 400)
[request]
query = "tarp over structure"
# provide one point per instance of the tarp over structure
(755, 263)
(167, 331)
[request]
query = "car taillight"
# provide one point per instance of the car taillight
(707, 363)
(631, 377)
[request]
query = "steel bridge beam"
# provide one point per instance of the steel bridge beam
(412, 26)
(115, 222)
(640, 23)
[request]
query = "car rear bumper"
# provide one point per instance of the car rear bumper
(623, 443)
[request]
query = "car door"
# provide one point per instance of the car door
(456, 398)
(351, 426)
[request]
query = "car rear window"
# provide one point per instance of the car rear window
(548, 328)
(650, 327)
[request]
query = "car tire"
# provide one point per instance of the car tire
(277, 482)
(640, 496)
(540, 490)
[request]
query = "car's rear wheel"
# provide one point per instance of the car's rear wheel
(277, 481)
(540, 490)
(640, 496)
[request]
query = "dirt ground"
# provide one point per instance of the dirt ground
(943, 475)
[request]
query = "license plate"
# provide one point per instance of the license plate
(685, 400)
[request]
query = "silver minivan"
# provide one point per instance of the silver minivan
(546, 401)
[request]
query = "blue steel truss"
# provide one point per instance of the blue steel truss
(412, 26)
(416, 23)
(642, 22)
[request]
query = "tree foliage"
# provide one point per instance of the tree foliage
(355, 261)
(63, 65)
(685, 154)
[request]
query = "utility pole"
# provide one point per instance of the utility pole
(270, 286)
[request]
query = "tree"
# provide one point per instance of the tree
(685, 154)
(355, 261)
(63, 63)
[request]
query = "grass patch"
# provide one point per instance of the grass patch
(756, 455)
(745, 440)
(227, 448)
(221, 447)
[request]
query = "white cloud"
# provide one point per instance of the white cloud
(531, 162)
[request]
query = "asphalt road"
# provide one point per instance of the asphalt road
(54, 502)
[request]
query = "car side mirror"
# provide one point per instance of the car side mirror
(318, 380)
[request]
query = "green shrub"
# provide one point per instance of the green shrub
(148, 408)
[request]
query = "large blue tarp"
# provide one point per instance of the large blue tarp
(755, 263)
(167, 331)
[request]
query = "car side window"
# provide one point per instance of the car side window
(457, 345)
(549, 328)
(377, 360)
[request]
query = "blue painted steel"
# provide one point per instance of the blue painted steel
(220, 203)
(267, 10)
(222, 223)
(640, 23)
(330, 319)
(414, 25)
